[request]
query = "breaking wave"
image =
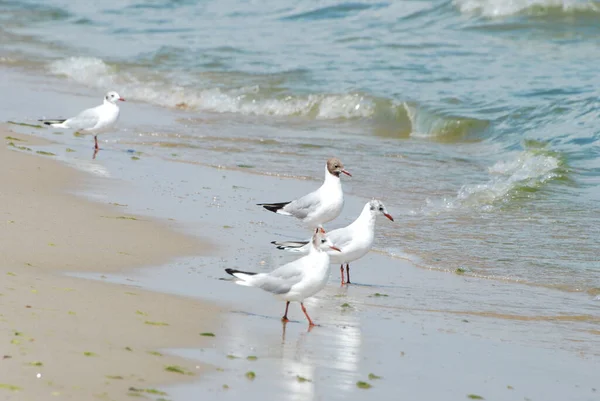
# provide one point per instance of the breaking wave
(503, 8)
(510, 180)
(261, 100)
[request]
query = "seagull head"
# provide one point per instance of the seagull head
(113, 97)
(321, 242)
(336, 167)
(377, 207)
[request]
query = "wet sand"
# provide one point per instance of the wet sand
(429, 335)
(73, 339)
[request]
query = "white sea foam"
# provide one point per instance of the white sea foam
(528, 169)
(502, 8)
(244, 100)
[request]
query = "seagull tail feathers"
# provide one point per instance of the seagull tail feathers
(58, 123)
(292, 246)
(273, 207)
(241, 275)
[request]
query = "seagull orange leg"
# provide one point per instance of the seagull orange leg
(310, 322)
(96, 142)
(348, 273)
(342, 272)
(285, 318)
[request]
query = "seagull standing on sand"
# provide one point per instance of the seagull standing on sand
(297, 280)
(355, 240)
(320, 206)
(95, 120)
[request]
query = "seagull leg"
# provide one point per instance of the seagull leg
(348, 273)
(342, 273)
(310, 322)
(96, 142)
(285, 318)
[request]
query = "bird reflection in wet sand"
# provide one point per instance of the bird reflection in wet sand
(297, 280)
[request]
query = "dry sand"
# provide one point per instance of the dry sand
(74, 339)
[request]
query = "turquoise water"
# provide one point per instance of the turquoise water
(477, 122)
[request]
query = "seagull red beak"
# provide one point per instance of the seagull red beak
(335, 248)
(347, 173)
(389, 216)
(121, 99)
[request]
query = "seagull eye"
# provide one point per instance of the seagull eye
(323, 241)
(381, 209)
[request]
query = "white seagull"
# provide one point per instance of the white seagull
(95, 120)
(355, 240)
(297, 280)
(320, 206)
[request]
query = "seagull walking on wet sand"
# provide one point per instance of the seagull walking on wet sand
(320, 206)
(297, 280)
(95, 120)
(355, 240)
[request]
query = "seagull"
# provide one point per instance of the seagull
(355, 240)
(320, 206)
(297, 280)
(95, 120)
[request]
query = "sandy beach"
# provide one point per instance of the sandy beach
(76, 339)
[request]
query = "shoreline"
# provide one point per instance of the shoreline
(419, 310)
(74, 338)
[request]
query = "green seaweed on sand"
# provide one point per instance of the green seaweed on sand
(129, 349)
(14, 341)
(135, 158)
(373, 376)
(69, 150)
(77, 134)
(116, 377)
(156, 323)
(207, 334)
(232, 356)
(12, 144)
(225, 386)
(24, 124)
(121, 217)
(378, 294)
(147, 390)
(130, 293)
(88, 353)
(363, 385)
(35, 363)
(177, 369)
(11, 274)
(245, 166)
(139, 312)
(12, 138)
(155, 353)
(43, 152)
(510, 387)
(301, 379)
(252, 358)
(475, 397)
(346, 305)
(10, 387)
(460, 270)
(250, 375)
